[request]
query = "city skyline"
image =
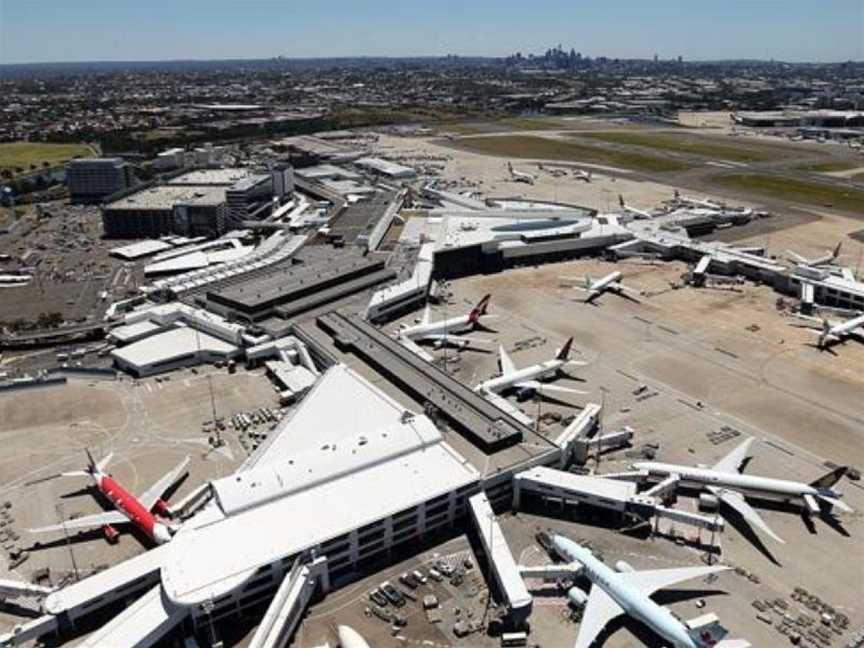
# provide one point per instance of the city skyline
(197, 30)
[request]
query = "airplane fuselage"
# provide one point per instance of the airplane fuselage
(452, 326)
(635, 604)
(603, 282)
(543, 370)
(767, 487)
(130, 506)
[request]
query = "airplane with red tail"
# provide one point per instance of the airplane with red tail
(148, 512)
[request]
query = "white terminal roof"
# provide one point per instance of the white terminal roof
(170, 345)
(131, 332)
(335, 471)
(386, 167)
(140, 249)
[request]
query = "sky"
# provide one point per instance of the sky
(144, 30)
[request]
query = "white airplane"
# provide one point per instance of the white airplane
(640, 213)
(447, 332)
(698, 202)
(828, 258)
(579, 174)
(832, 331)
(625, 591)
(527, 381)
(596, 287)
(725, 481)
(520, 176)
(11, 280)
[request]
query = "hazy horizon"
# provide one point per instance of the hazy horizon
(198, 30)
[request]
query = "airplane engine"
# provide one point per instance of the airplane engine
(524, 394)
(112, 535)
(438, 344)
(623, 567)
(577, 597)
(160, 508)
(708, 502)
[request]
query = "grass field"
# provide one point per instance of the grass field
(802, 191)
(479, 127)
(827, 166)
(530, 146)
(23, 154)
(858, 177)
(702, 145)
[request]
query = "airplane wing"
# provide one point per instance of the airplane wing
(626, 290)
(798, 258)
(736, 501)
(415, 348)
(85, 522)
(152, 495)
(731, 463)
(547, 389)
(599, 611)
(507, 366)
(653, 580)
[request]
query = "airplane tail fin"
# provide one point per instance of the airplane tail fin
(564, 351)
(829, 479)
(91, 463)
(479, 310)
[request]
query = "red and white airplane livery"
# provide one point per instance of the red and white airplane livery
(146, 512)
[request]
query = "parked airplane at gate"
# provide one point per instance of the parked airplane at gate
(447, 331)
(527, 381)
(520, 176)
(832, 332)
(145, 512)
(625, 591)
(596, 287)
(826, 259)
(726, 482)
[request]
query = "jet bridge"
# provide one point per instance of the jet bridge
(610, 494)
(501, 563)
(142, 624)
(287, 608)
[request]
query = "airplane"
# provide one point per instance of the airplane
(579, 174)
(350, 638)
(832, 331)
(11, 280)
(446, 332)
(636, 212)
(520, 176)
(527, 381)
(624, 590)
(725, 481)
(145, 512)
(826, 259)
(697, 202)
(595, 288)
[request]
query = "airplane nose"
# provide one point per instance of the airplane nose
(161, 534)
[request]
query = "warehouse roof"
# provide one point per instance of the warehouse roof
(171, 345)
(225, 177)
